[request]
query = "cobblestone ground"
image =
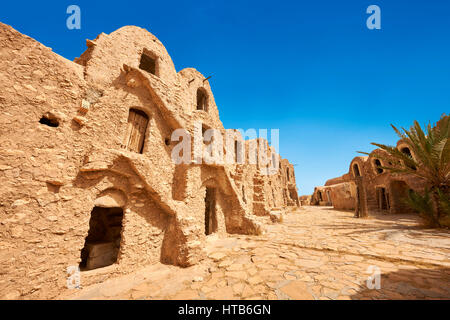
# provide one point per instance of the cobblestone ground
(315, 253)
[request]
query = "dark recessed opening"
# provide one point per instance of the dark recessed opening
(167, 141)
(408, 153)
(102, 244)
(202, 100)
(378, 166)
(356, 170)
(53, 187)
(210, 211)
(148, 64)
(50, 121)
(382, 199)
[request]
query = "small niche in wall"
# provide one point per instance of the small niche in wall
(49, 120)
(52, 187)
(148, 63)
(378, 166)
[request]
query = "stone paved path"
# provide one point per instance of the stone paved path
(315, 253)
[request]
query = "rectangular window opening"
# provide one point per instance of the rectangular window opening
(148, 63)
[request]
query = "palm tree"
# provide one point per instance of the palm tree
(431, 163)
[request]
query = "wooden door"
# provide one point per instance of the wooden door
(137, 126)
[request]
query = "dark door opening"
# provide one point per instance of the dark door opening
(382, 199)
(102, 244)
(356, 170)
(320, 196)
(210, 211)
(358, 203)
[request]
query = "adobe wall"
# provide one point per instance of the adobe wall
(343, 195)
(305, 200)
(373, 180)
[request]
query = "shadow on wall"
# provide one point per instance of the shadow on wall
(409, 284)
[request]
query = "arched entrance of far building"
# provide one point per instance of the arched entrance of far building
(382, 199)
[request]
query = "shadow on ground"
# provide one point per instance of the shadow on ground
(410, 284)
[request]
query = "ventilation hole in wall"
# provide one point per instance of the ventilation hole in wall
(148, 64)
(49, 120)
(54, 188)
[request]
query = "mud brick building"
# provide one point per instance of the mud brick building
(367, 187)
(86, 169)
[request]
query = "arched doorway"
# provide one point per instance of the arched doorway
(356, 171)
(210, 211)
(102, 244)
(382, 199)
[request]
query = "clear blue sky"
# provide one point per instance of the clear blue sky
(310, 68)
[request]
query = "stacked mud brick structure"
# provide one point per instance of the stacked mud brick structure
(367, 187)
(86, 169)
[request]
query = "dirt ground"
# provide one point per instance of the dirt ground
(315, 253)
